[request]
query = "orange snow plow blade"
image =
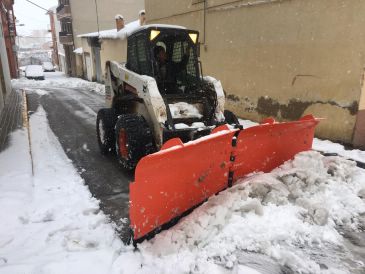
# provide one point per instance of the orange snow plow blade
(177, 178)
(269, 145)
(181, 176)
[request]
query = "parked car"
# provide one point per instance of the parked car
(48, 66)
(34, 72)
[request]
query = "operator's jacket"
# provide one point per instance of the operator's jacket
(167, 73)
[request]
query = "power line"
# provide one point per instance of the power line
(37, 5)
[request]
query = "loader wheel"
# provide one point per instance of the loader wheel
(105, 122)
(231, 118)
(134, 140)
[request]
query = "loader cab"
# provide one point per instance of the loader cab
(180, 72)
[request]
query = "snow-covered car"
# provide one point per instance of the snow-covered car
(34, 72)
(48, 66)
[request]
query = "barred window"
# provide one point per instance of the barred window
(188, 75)
(132, 55)
(143, 63)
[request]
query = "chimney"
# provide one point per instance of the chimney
(119, 21)
(142, 17)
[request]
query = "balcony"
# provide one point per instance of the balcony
(66, 38)
(63, 11)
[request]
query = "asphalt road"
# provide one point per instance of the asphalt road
(72, 116)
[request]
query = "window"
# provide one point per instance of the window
(188, 75)
(143, 61)
(132, 55)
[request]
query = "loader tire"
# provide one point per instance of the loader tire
(231, 118)
(105, 123)
(134, 140)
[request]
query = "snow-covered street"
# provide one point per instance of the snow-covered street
(307, 216)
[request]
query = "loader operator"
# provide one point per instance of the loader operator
(167, 70)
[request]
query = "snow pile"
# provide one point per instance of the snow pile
(59, 82)
(184, 110)
(328, 146)
(286, 214)
(50, 223)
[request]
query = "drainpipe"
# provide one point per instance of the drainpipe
(205, 26)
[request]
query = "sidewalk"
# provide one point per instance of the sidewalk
(10, 117)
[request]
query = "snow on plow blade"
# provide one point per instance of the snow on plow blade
(181, 176)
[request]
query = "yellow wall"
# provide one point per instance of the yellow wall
(112, 50)
(87, 49)
(283, 59)
(84, 18)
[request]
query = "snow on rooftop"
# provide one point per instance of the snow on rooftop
(113, 33)
(128, 30)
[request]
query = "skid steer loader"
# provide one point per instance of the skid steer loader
(152, 110)
(167, 121)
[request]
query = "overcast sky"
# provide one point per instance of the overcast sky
(32, 16)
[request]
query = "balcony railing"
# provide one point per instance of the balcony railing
(66, 38)
(63, 11)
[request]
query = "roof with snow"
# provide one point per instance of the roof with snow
(113, 33)
(128, 30)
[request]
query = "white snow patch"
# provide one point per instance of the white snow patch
(79, 51)
(85, 147)
(41, 92)
(50, 223)
(185, 110)
(113, 33)
(58, 80)
(328, 146)
(247, 123)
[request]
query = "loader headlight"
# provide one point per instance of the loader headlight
(193, 37)
(154, 34)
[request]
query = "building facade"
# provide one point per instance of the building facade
(282, 58)
(9, 32)
(65, 35)
(5, 84)
(84, 16)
